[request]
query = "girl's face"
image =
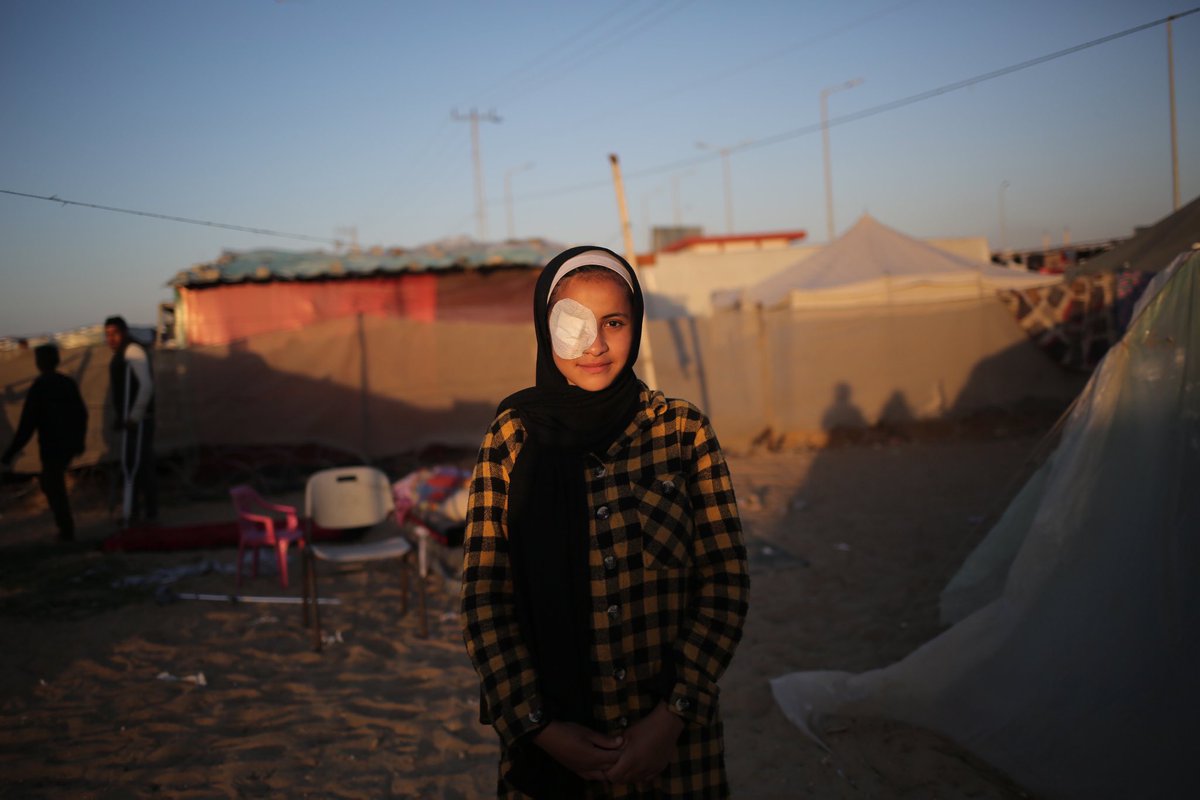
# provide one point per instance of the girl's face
(605, 358)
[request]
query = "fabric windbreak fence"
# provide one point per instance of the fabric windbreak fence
(366, 385)
(380, 386)
(370, 386)
(88, 366)
(806, 373)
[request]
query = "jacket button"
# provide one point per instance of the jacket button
(610, 563)
(623, 722)
(667, 486)
(602, 513)
(682, 704)
(619, 674)
(599, 472)
(536, 716)
(614, 612)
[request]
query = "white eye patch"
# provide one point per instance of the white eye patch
(573, 328)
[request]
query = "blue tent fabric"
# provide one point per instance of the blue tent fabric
(455, 254)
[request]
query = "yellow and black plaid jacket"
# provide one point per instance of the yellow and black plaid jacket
(668, 572)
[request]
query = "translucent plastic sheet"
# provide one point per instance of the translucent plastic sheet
(1078, 677)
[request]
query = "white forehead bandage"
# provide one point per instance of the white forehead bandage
(590, 258)
(573, 328)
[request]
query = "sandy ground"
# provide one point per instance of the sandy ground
(101, 695)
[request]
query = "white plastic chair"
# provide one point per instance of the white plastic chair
(356, 497)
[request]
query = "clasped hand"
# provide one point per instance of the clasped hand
(638, 756)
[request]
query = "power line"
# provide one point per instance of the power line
(681, 163)
(796, 133)
(966, 82)
(715, 77)
(563, 44)
(602, 41)
(188, 220)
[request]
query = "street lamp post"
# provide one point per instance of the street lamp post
(646, 198)
(828, 90)
(727, 176)
(1003, 227)
(676, 206)
(508, 193)
(1174, 135)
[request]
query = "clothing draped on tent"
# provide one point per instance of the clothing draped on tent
(1072, 666)
(1151, 249)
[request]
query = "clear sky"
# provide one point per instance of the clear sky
(317, 117)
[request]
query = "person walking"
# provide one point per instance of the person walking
(55, 410)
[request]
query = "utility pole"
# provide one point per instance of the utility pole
(1003, 225)
(1174, 135)
(675, 204)
(480, 200)
(727, 176)
(647, 281)
(351, 233)
(508, 194)
(646, 198)
(828, 90)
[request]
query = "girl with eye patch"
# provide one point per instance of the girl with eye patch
(604, 583)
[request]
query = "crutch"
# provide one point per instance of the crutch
(130, 475)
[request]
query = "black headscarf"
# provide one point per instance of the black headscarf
(548, 525)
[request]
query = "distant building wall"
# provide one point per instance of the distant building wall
(664, 236)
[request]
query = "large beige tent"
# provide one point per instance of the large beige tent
(874, 265)
(875, 326)
(691, 282)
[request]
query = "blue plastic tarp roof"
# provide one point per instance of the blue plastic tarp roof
(457, 254)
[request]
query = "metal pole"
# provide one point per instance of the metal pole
(829, 229)
(508, 194)
(480, 199)
(728, 190)
(1174, 134)
(676, 206)
(727, 174)
(508, 202)
(1003, 230)
(646, 198)
(647, 281)
(480, 202)
(828, 90)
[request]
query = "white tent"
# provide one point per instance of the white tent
(874, 327)
(691, 283)
(1074, 667)
(873, 265)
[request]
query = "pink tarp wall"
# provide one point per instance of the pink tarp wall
(219, 314)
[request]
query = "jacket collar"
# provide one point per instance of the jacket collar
(653, 406)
